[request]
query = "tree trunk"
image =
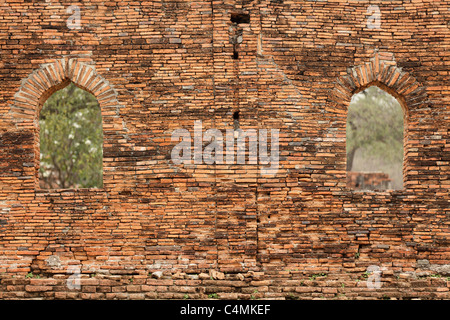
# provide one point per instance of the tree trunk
(350, 158)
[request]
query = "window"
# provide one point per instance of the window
(71, 140)
(374, 141)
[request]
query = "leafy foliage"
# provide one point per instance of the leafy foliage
(375, 128)
(71, 140)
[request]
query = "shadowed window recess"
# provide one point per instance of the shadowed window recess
(71, 140)
(374, 141)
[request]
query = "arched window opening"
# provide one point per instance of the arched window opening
(71, 140)
(374, 141)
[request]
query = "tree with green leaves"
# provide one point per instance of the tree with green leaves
(71, 140)
(375, 129)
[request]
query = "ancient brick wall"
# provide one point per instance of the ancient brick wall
(161, 230)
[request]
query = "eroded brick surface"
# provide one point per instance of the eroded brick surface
(160, 230)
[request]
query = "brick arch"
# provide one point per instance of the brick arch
(383, 72)
(51, 77)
